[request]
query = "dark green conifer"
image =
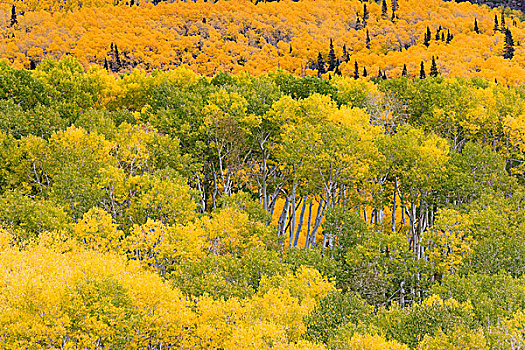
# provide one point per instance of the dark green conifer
(476, 29)
(365, 73)
(384, 9)
(356, 70)
(509, 45)
(367, 40)
(433, 68)
(332, 60)
(428, 36)
(346, 57)
(404, 73)
(320, 65)
(496, 24)
(395, 5)
(422, 74)
(14, 20)
(117, 59)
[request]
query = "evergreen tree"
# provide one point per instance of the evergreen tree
(433, 68)
(393, 16)
(422, 74)
(366, 15)
(365, 73)
(476, 29)
(509, 45)
(395, 5)
(379, 74)
(14, 20)
(442, 36)
(132, 3)
(106, 66)
(502, 25)
(404, 73)
(428, 36)
(384, 9)
(320, 65)
(346, 57)
(332, 60)
(367, 40)
(496, 25)
(438, 33)
(384, 75)
(449, 37)
(356, 71)
(32, 65)
(118, 63)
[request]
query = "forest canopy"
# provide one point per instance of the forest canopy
(264, 211)
(285, 175)
(209, 37)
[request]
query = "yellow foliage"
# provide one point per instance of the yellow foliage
(97, 231)
(458, 339)
(448, 241)
(373, 342)
(6, 239)
(160, 246)
(81, 299)
(230, 231)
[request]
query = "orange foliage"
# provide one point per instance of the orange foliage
(238, 35)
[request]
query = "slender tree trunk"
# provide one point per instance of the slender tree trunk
(307, 242)
(318, 221)
(300, 224)
(215, 187)
(394, 208)
(413, 227)
(283, 218)
(292, 220)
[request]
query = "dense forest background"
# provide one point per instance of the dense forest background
(332, 189)
(465, 40)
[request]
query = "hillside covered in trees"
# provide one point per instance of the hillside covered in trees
(232, 36)
(270, 175)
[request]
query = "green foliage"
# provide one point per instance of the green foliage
(299, 88)
(412, 187)
(29, 218)
(493, 297)
(225, 276)
(434, 315)
(333, 311)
